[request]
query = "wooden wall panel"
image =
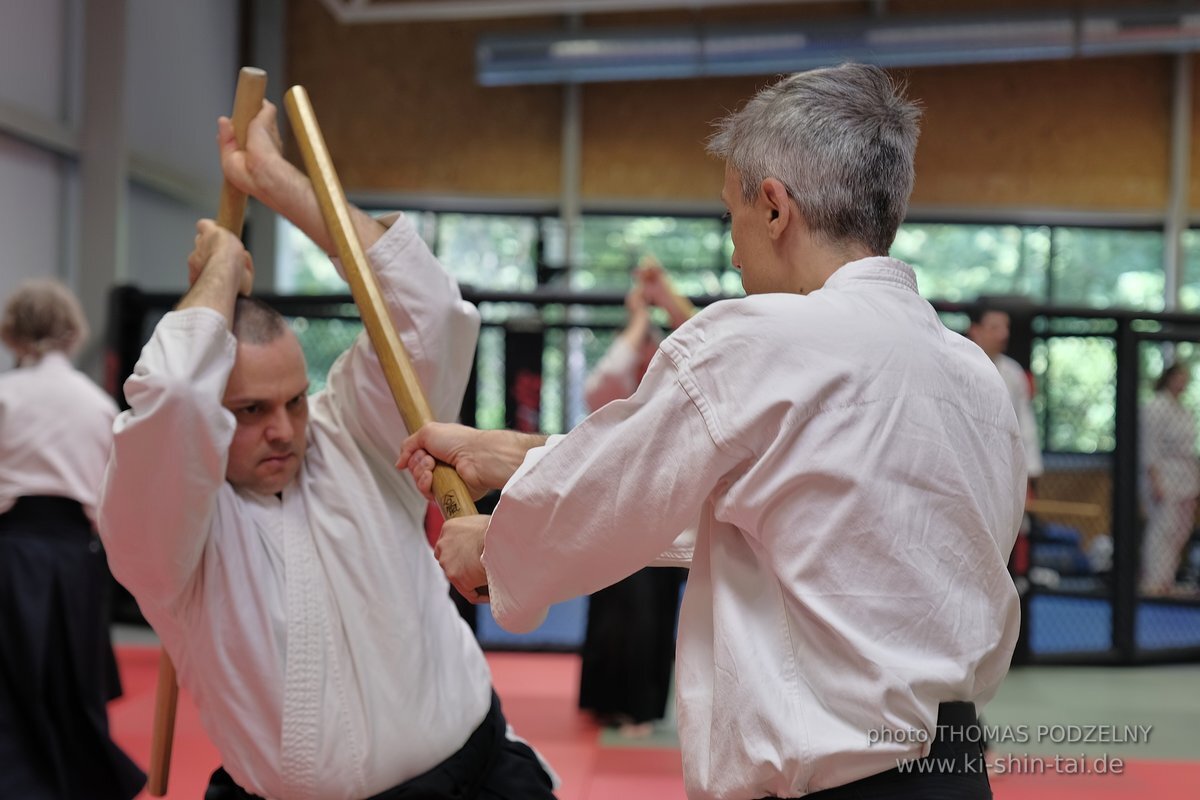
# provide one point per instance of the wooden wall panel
(1084, 135)
(646, 140)
(1087, 134)
(1194, 201)
(401, 111)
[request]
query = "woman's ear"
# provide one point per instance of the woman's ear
(778, 204)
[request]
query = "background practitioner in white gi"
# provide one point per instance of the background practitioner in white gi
(989, 328)
(857, 466)
(275, 550)
(1170, 480)
(56, 664)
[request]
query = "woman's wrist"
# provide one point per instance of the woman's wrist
(506, 452)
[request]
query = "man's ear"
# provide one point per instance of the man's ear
(778, 205)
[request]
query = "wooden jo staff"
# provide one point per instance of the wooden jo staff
(448, 488)
(247, 101)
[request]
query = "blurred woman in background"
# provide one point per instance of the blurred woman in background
(56, 669)
(1171, 480)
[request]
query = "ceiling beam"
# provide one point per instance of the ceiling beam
(692, 51)
(351, 12)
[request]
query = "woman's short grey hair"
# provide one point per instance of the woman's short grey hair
(841, 140)
(40, 317)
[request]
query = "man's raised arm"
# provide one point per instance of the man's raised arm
(438, 329)
(170, 448)
(260, 170)
(215, 267)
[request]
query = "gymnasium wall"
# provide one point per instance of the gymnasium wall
(179, 61)
(403, 114)
(31, 180)
(180, 71)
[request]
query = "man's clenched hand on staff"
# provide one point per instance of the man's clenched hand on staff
(261, 171)
(216, 268)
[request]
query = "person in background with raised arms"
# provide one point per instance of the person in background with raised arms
(629, 648)
(857, 468)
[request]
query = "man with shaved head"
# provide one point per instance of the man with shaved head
(275, 550)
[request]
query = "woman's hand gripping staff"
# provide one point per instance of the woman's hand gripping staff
(485, 460)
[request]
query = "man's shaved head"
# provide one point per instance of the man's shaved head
(255, 322)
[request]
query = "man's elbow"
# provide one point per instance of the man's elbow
(152, 576)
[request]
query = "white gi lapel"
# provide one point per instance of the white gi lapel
(306, 624)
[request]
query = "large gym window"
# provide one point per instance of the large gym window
(693, 249)
(1101, 268)
(961, 262)
(1066, 266)
(1189, 279)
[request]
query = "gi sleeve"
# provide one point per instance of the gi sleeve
(437, 327)
(679, 554)
(168, 456)
(605, 500)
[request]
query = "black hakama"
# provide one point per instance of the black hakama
(54, 663)
(629, 649)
